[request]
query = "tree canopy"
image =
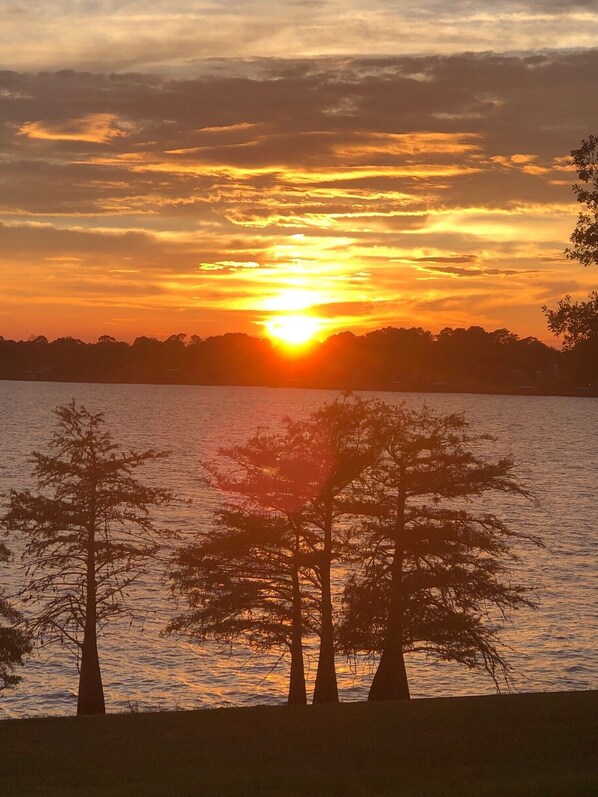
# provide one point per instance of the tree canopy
(577, 321)
(88, 536)
(432, 563)
(397, 498)
(14, 642)
(584, 238)
(244, 578)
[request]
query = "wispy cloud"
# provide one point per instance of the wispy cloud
(94, 128)
(176, 35)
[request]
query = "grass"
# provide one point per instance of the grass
(529, 745)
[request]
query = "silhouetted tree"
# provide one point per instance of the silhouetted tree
(14, 642)
(577, 322)
(244, 578)
(397, 355)
(585, 235)
(242, 583)
(431, 569)
(337, 445)
(267, 563)
(88, 535)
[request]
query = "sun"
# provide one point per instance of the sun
(293, 330)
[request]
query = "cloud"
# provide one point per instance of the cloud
(455, 271)
(440, 259)
(95, 128)
(347, 309)
(227, 266)
(387, 183)
(176, 35)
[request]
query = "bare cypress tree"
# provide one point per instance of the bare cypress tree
(338, 443)
(433, 570)
(247, 577)
(270, 561)
(89, 535)
(242, 582)
(14, 642)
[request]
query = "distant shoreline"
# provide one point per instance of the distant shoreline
(482, 390)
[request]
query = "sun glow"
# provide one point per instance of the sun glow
(293, 330)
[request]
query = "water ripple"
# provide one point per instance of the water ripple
(553, 440)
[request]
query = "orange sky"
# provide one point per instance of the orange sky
(406, 190)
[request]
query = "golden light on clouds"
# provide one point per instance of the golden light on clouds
(94, 128)
(292, 198)
(170, 35)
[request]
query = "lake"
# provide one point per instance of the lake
(554, 441)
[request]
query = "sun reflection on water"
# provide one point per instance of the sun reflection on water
(554, 647)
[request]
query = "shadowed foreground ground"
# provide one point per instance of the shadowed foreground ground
(530, 745)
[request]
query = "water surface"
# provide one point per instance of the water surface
(553, 440)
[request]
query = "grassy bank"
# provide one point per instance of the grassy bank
(530, 745)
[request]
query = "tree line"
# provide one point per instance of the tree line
(390, 358)
(361, 525)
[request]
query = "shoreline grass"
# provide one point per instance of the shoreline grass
(525, 745)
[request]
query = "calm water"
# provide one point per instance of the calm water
(553, 440)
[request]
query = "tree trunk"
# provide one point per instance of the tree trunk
(297, 691)
(326, 689)
(390, 681)
(91, 692)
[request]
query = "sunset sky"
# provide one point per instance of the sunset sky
(210, 167)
